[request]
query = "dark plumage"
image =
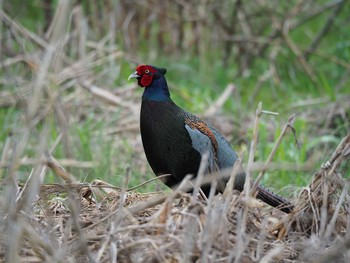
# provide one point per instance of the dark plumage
(175, 140)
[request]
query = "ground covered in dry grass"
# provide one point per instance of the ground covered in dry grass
(99, 222)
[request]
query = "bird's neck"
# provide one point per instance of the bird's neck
(157, 91)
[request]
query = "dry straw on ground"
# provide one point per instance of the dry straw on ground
(101, 223)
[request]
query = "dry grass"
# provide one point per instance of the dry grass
(101, 223)
(97, 222)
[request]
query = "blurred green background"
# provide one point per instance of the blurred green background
(293, 56)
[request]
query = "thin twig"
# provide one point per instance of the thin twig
(287, 126)
(253, 145)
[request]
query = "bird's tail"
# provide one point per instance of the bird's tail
(274, 200)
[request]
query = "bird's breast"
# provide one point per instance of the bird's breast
(167, 144)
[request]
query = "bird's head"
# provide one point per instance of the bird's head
(145, 74)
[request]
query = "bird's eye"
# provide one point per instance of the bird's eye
(147, 71)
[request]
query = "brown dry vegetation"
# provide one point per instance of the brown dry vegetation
(54, 77)
(100, 223)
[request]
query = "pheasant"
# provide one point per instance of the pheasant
(174, 140)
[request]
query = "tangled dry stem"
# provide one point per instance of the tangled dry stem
(101, 223)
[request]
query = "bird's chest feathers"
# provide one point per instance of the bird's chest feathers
(163, 128)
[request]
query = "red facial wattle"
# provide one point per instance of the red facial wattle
(146, 79)
(146, 73)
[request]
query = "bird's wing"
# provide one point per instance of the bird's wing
(203, 140)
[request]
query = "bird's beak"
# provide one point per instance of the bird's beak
(134, 76)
